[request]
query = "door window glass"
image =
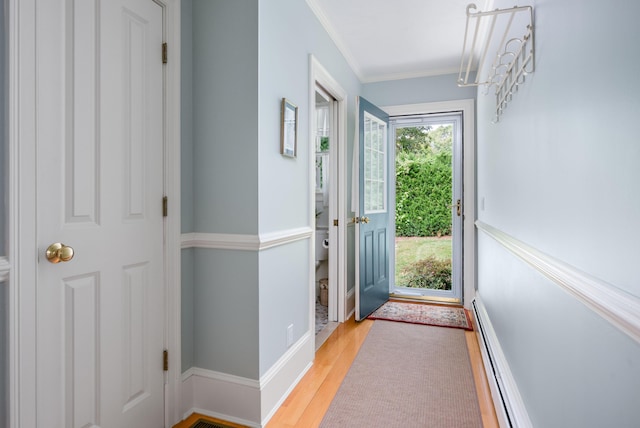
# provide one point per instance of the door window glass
(375, 155)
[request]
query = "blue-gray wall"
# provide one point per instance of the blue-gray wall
(187, 308)
(239, 59)
(186, 117)
(560, 173)
(4, 354)
(220, 184)
(236, 181)
(226, 312)
(417, 90)
(225, 116)
(186, 179)
(4, 85)
(289, 32)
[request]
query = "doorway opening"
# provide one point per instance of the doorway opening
(324, 88)
(427, 196)
(325, 204)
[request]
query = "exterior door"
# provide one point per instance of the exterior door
(373, 216)
(100, 323)
(439, 242)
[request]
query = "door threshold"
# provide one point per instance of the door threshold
(430, 299)
(324, 334)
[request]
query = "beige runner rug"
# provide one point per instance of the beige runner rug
(408, 375)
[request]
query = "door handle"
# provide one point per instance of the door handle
(58, 252)
(458, 206)
(360, 219)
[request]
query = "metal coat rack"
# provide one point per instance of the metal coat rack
(507, 35)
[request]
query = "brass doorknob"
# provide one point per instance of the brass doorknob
(360, 219)
(58, 252)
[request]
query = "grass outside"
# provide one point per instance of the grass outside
(410, 251)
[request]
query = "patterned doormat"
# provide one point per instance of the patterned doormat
(419, 313)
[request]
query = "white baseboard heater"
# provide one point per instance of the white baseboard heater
(508, 404)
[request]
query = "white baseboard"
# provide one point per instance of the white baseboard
(246, 401)
(226, 397)
(351, 302)
(508, 403)
(279, 381)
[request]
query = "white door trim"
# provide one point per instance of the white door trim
(467, 107)
(173, 238)
(23, 250)
(455, 120)
(22, 213)
(319, 75)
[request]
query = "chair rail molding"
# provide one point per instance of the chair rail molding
(620, 308)
(245, 242)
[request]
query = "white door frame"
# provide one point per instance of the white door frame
(320, 76)
(173, 232)
(23, 65)
(467, 107)
(409, 121)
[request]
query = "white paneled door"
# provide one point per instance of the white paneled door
(100, 315)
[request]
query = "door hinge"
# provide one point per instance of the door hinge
(164, 53)
(165, 206)
(335, 221)
(165, 360)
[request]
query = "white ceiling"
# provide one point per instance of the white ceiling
(396, 39)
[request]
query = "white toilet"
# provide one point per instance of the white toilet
(322, 245)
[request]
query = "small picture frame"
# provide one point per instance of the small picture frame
(289, 129)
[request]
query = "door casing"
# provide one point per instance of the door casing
(455, 120)
(333, 201)
(23, 21)
(467, 107)
(319, 76)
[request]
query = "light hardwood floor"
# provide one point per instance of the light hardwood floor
(310, 399)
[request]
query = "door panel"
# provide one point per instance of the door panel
(83, 336)
(82, 146)
(373, 218)
(100, 326)
(367, 256)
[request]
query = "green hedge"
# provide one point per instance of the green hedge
(423, 194)
(428, 273)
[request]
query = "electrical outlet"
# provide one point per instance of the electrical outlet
(290, 335)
